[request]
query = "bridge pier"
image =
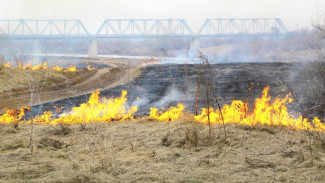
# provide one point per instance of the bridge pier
(194, 45)
(92, 48)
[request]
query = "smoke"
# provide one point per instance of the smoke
(171, 97)
(292, 47)
(140, 102)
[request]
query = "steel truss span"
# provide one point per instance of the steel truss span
(144, 28)
(42, 29)
(140, 28)
(242, 27)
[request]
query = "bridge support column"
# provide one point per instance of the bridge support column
(92, 48)
(195, 45)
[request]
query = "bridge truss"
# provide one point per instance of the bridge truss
(140, 28)
(144, 28)
(42, 29)
(242, 27)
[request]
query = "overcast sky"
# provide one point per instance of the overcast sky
(93, 12)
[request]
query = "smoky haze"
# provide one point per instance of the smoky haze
(293, 47)
(295, 14)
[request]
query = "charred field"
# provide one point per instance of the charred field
(167, 85)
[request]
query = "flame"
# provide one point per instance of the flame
(95, 110)
(172, 114)
(57, 68)
(7, 65)
(265, 112)
(143, 64)
(89, 68)
(71, 68)
(99, 110)
(44, 66)
(38, 67)
(11, 116)
(45, 118)
(28, 66)
(20, 65)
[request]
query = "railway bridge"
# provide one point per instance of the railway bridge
(140, 28)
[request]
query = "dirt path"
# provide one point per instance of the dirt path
(112, 77)
(97, 75)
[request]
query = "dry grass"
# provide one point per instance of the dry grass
(14, 91)
(150, 151)
(12, 79)
(14, 88)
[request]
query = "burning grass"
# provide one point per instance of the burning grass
(264, 112)
(44, 66)
(97, 110)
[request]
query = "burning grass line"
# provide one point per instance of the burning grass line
(44, 66)
(265, 112)
(99, 110)
(172, 114)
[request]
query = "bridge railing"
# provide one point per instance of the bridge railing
(42, 29)
(144, 28)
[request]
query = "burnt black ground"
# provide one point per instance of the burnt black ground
(166, 85)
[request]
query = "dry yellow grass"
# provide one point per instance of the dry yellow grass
(150, 151)
(15, 79)
(14, 84)
(55, 85)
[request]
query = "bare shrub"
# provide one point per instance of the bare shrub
(308, 84)
(206, 79)
(316, 70)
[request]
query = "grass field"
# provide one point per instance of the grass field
(150, 151)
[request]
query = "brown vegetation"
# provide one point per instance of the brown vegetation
(148, 151)
(55, 85)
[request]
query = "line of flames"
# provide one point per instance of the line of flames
(143, 64)
(264, 112)
(44, 66)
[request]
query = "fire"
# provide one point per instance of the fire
(57, 68)
(172, 114)
(44, 66)
(143, 64)
(45, 118)
(89, 68)
(11, 116)
(38, 67)
(7, 65)
(99, 110)
(71, 68)
(265, 112)
(95, 110)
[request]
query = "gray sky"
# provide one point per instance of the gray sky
(93, 12)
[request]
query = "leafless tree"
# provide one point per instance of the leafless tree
(206, 77)
(316, 68)
(36, 82)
